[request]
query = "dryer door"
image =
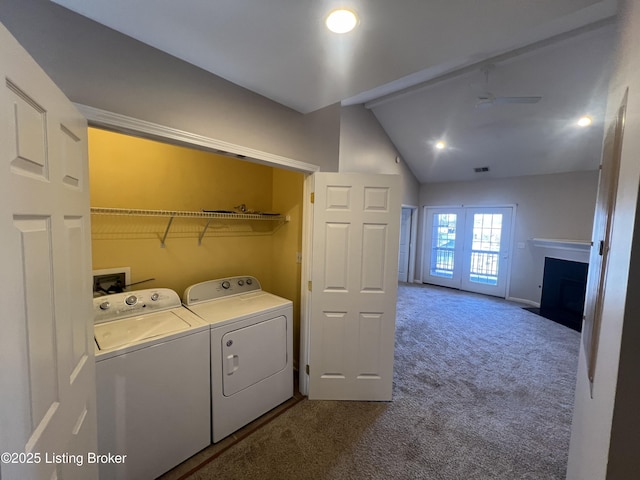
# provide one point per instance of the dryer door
(253, 353)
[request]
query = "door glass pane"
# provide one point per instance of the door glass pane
(485, 248)
(443, 241)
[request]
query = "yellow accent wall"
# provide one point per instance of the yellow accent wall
(131, 172)
(287, 242)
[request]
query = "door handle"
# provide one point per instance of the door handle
(233, 363)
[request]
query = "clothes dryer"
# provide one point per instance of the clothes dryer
(152, 375)
(251, 349)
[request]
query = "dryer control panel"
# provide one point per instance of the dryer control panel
(222, 287)
(128, 304)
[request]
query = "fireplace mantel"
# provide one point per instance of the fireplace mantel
(562, 244)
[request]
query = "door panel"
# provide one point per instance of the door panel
(486, 257)
(30, 157)
(369, 346)
(336, 248)
(35, 238)
(48, 394)
(353, 286)
(442, 262)
(71, 154)
(80, 331)
(333, 333)
(374, 253)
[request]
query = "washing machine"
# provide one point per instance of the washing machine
(152, 375)
(251, 349)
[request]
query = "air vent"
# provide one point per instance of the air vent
(481, 169)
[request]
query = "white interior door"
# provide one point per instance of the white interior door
(353, 283)
(47, 404)
(601, 243)
(468, 248)
(405, 243)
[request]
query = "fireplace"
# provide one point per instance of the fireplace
(564, 284)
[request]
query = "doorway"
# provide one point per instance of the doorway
(407, 252)
(468, 248)
(162, 176)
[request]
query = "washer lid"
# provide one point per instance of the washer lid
(137, 329)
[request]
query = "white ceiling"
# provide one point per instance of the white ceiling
(433, 48)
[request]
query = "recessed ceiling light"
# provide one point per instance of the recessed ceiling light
(584, 121)
(441, 145)
(341, 21)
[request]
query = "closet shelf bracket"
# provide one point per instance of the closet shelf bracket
(166, 232)
(204, 230)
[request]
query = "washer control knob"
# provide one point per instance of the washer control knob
(105, 306)
(249, 281)
(240, 282)
(226, 285)
(155, 296)
(131, 300)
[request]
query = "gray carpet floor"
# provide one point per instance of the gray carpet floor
(483, 389)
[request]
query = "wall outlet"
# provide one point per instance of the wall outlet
(299, 257)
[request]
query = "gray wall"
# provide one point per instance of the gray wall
(101, 68)
(365, 147)
(556, 206)
(98, 67)
(606, 423)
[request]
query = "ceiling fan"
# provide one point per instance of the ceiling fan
(487, 99)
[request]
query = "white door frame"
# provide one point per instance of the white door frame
(426, 243)
(305, 304)
(132, 126)
(141, 128)
(411, 275)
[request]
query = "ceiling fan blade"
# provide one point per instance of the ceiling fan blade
(486, 99)
(484, 102)
(517, 99)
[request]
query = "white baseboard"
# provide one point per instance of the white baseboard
(531, 303)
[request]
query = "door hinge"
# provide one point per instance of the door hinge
(306, 369)
(601, 249)
(309, 285)
(313, 197)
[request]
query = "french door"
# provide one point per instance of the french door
(468, 248)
